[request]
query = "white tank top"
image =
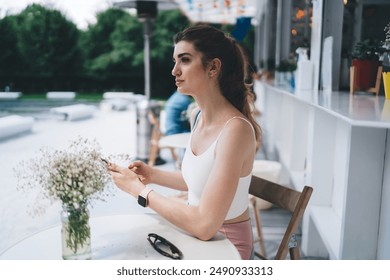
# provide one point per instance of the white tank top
(196, 170)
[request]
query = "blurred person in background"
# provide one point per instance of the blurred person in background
(176, 119)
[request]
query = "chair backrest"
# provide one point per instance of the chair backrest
(154, 138)
(291, 200)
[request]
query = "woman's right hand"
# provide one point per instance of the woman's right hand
(143, 171)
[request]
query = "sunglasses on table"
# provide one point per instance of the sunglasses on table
(164, 247)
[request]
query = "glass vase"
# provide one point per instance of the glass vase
(75, 233)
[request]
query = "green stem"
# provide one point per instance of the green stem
(77, 228)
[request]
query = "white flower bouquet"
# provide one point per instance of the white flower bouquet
(74, 176)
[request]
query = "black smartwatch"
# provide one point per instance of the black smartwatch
(143, 197)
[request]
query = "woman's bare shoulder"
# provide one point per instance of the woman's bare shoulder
(239, 129)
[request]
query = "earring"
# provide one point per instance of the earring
(210, 74)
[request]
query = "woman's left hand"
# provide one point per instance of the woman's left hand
(125, 179)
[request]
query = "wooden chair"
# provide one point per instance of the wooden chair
(291, 200)
(269, 170)
(155, 139)
(253, 203)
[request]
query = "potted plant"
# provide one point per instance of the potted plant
(284, 72)
(365, 58)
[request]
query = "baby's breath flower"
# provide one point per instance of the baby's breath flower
(74, 176)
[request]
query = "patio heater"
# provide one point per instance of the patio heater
(146, 12)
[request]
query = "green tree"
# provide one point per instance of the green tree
(98, 42)
(109, 47)
(41, 48)
(126, 47)
(166, 25)
(114, 50)
(10, 60)
(48, 42)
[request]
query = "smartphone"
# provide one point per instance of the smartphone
(105, 161)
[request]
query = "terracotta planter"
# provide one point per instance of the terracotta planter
(366, 71)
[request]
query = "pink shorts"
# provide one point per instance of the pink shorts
(240, 234)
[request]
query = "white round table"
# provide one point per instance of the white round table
(176, 141)
(122, 237)
(179, 140)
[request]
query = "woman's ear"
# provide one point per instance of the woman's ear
(214, 67)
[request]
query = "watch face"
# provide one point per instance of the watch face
(142, 201)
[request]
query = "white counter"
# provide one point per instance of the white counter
(360, 109)
(338, 144)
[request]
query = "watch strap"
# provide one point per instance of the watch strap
(143, 197)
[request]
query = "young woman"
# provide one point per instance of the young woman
(216, 171)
